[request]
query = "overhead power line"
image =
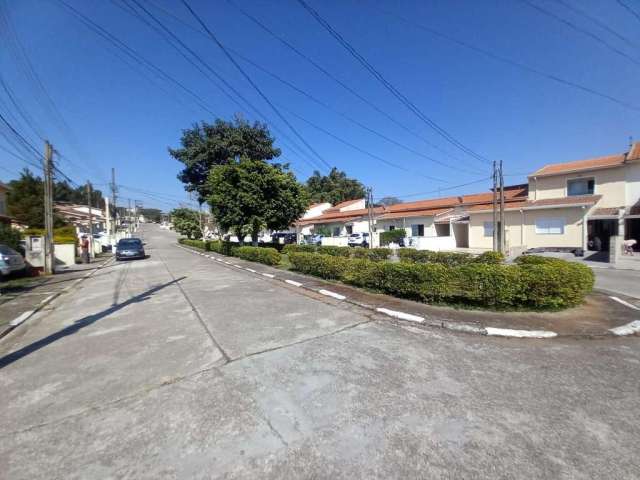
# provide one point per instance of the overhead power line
(598, 22)
(439, 190)
(514, 63)
(335, 79)
(390, 87)
(173, 40)
(254, 85)
(629, 9)
(581, 30)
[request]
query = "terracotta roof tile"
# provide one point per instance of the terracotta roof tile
(547, 202)
(605, 212)
(578, 165)
(346, 203)
(414, 213)
(336, 216)
(634, 152)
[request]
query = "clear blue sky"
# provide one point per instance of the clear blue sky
(123, 120)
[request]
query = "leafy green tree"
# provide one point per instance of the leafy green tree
(250, 195)
(63, 192)
(151, 214)
(10, 236)
(334, 188)
(205, 146)
(186, 222)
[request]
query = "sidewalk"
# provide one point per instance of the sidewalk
(23, 296)
(595, 318)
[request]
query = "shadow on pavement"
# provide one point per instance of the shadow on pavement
(79, 324)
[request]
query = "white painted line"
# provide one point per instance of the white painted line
(268, 275)
(250, 270)
(332, 294)
(238, 266)
(228, 263)
(625, 303)
(628, 329)
(401, 315)
(18, 320)
(507, 332)
(294, 283)
(47, 299)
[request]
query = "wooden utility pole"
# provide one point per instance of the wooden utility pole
(114, 189)
(502, 225)
(129, 216)
(495, 208)
(49, 254)
(89, 195)
(370, 215)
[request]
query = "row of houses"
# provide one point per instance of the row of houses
(577, 204)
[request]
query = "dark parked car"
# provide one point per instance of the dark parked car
(130, 248)
(284, 237)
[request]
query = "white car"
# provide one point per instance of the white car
(10, 261)
(358, 240)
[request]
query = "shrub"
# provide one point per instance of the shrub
(294, 248)
(489, 257)
(428, 256)
(537, 260)
(66, 234)
(373, 254)
(268, 256)
(193, 243)
(392, 236)
(9, 236)
(334, 251)
(552, 285)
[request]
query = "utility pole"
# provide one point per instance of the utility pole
(49, 257)
(129, 216)
(495, 207)
(502, 225)
(114, 189)
(89, 195)
(370, 215)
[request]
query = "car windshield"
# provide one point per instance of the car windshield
(129, 242)
(7, 251)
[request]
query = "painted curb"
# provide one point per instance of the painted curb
(508, 332)
(629, 329)
(21, 319)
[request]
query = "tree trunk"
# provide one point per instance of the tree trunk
(255, 231)
(240, 236)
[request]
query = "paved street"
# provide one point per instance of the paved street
(176, 367)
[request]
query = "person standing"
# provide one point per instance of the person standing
(84, 249)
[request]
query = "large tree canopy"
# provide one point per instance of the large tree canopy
(250, 195)
(151, 214)
(186, 222)
(206, 145)
(334, 188)
(25, 199)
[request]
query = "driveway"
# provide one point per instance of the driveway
(171, 367)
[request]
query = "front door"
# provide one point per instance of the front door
(599, 232)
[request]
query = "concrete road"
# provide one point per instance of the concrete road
(175, 367)
(620, 282)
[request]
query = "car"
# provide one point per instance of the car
(358, 240)
(10, 261)
(284, 237)
(129, 248)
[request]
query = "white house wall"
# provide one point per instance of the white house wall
(632, 184)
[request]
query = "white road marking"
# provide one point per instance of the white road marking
(47, 299)
(400, 315)
(18, 320)
(268, 275)
(228, 263)
(294, 283)
(628, 329)
(250, 270)
(507, 332)
(329, 293)
(625, 303)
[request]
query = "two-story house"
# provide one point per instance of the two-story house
(578, 204)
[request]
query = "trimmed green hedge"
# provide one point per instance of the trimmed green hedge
(268, 256)
(549, 286)
(392, 236)
(448, 258)
(374, 254)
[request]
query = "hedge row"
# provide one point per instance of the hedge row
(543, 286)
(451, 259)
(374, 254)
(268, 256)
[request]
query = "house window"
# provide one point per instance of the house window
(417, 230)
(349, 229)
(392, 227)
(488, 229)
(581, 186)
(336, 232)
(550, 226)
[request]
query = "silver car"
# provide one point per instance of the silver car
(10, 261)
